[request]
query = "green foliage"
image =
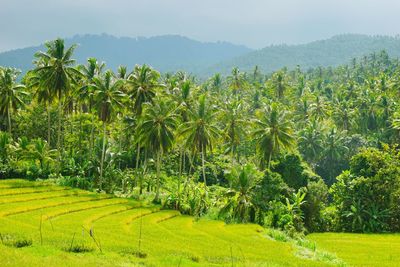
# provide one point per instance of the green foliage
(241, 205)
(366, 196)
(248, 147)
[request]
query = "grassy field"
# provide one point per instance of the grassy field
(52, 225)
(361, 249)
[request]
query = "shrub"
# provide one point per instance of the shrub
(367, 196)
(15, 241)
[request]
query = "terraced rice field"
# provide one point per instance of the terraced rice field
(362, 249)
(57, 219)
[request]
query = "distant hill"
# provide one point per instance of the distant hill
(171, 53)
(337, 50)
(165, 53)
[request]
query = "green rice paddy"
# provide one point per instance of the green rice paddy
(47, 225)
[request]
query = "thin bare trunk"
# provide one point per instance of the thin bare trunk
(203, 165)
(180, 178)
(103, 152)
(137, 164)
(158, 166)
(9, 118)
(59, 134)
(48, 125)
(269, 160)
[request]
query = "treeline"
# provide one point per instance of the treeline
(298, 150)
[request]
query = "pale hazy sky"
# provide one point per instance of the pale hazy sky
(254, 23)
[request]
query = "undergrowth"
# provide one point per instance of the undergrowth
(305, 248)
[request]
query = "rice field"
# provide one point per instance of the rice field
(106, 231)
(361, 249)
(46, 225)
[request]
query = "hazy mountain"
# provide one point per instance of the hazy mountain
(165, 53)
(337, 50)
(172, 53)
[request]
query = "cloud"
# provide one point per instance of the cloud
(255, 23)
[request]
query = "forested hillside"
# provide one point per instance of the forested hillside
(167, 53)
(173, 53)
(335, 51)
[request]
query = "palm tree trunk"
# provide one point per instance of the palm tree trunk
(48, 125)
(59, 125)
(9, 119)
(232, 155)
(203, 166)
(137, 168)
(180, 178)
(143, 173)
(137, 156)
(269, 160)
(158, 163)
(103, 152)
(59, 134)
(91, 144)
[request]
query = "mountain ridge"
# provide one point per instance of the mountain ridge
(165, 52)
(170, 53)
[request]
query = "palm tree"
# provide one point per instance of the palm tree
(235, 125)
(11, 94)
(311, 142)
(236, 81)
(5, 141)
(344, 114)
(273, 132)
(216, 82)
(201, 130)
(92, 69)
(56, 75)
(144, 83)
(279, 84)
(241, 204)
(39, 151)
(122, 72)
(42, 95)
(318, 109)
(157, 132)
(183, 98)
(335, 150)
(85, 93)
(108, 97)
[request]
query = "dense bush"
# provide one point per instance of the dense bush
(367, 196)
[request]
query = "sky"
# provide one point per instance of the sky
(254, 23)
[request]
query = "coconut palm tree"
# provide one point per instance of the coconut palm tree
(56, 75)
(85, 93)
(11, 93)
(108, 98)
(144, 83)
(241, 205)
(39, 150)
(235, 126)
(273, 132)
(318, 108)
(311, 141)
(157, 130)
(344, 114)
(279, 84)
(236, 81)
(201, 130)
(216, 82)
(92, 69)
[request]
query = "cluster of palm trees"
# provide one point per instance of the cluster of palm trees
(324, 114)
